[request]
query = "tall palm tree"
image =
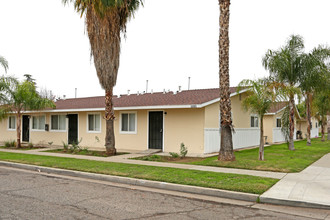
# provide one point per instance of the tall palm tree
(226, 152)
(286, 66)
(105, 20)
(322, 105)
(260, 98)
(312, 79)
(4, 63)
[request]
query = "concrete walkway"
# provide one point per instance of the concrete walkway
(125, 159)
(309, 188)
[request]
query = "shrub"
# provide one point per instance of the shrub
(183, 150)
(74, 147)
(174, 155)
(30, 145)
(65, 146)
(50, 143)
(9, 144)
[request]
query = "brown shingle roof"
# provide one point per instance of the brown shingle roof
(277, 106)
(187, 97)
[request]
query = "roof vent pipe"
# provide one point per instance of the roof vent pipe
(128, 92)
(64, 97)
(164, 91)
(75, 93)
(152, 91)
(138, 93)
(179, 89)
(189, 83)
(147, 86)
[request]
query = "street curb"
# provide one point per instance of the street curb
(139, 182)
(294, 203)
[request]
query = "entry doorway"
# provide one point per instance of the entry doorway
(156, 130)
(25, 128)
(73, 128)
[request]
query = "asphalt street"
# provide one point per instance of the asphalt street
(28, 195)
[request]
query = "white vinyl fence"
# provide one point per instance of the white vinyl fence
(279, 137)
(243, 137)
(314, 132)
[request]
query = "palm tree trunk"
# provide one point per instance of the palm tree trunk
(309, 121)
(18, 129)
(226, 152)
(291, 122)
(261, 146)
(109, 117)
(322, 129)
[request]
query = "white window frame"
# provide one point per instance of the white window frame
(54, 130)
(95, 132)
(37, 116)
(120, 122)
(276, 122)
(12, 129)
(255, 116)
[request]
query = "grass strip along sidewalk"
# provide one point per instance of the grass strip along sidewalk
(277, 157)
(233, 182)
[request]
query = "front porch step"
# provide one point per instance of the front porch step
(150, 151)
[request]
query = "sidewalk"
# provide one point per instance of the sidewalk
(309, 188)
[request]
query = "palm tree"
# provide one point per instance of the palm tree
(286, 66)
(313, 79)
(105, 20)
(16, 97)
(259, 100)
(4, 63)
(322, 105)
(226, 152)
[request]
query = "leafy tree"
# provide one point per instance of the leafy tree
(260, 98)
(313, 79)
(286, 67)
(226, 152)
(105, 20)
(302, 109)
(322, 106)
(4, 63)
(16, 97)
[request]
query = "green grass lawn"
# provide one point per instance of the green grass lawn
(233, 182)
(277, 157)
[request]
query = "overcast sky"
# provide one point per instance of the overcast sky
(167, 41)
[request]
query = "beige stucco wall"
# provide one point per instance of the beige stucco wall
(5, 134)
(241, 118)
(187, 126)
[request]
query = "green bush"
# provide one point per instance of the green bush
(183, 150)
(10, 143)
(30, 145)
(65, 146)
(174, 155)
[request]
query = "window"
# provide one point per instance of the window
(316, 124)
(58, 122)
(278, 122)
(254, 122)
(94, 122)
(128, 123)
(11, 122)
(38, 122)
